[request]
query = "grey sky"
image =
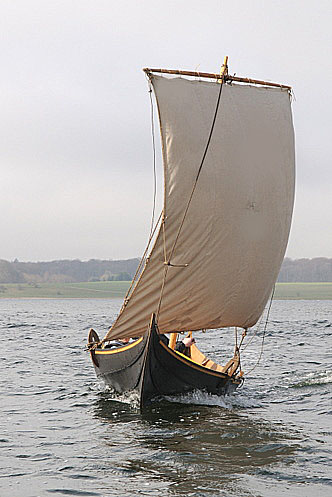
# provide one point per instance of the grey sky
(75, 155)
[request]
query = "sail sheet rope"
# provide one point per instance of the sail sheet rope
(167, 261)
(264, 333)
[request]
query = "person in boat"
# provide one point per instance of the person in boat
(184, 345)
(117, 343)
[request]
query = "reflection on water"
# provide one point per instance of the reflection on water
(195, 446)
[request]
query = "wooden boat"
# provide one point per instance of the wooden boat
(228, 155)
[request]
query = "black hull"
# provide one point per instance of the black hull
(121, 368)
(168, 373)
(152, 369)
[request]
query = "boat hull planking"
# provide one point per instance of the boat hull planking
(149, 367)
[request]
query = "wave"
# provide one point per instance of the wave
(315, 379)
(203, 398)
(197, 397)
(130, 398)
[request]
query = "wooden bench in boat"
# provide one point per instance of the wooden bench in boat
(199, 358)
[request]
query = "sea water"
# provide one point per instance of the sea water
(64, 434)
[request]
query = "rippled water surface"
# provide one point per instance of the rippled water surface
(63, 434)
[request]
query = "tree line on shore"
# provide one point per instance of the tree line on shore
(318, 269)
(315, 270)
(67, 271)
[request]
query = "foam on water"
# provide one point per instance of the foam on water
(197, 397)
(131, 398)
(315, 379)
(203, 398)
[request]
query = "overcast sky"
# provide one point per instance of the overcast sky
(76, 154)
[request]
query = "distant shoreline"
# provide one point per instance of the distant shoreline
(303, 291)
(118, 289)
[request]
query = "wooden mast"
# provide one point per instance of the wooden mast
(224, 68)
(172, 340)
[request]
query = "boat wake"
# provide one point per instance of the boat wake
(203, 398)
(197, 397)
(131, 398)
(315, 379)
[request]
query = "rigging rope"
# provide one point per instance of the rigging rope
(254, 334)
(198, 173)
(139, 267)
(167, 261)
(153, 226)
(154, 159)
(264, 331)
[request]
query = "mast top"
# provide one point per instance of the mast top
(224, 68)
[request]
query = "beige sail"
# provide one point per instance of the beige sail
(228, 253)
